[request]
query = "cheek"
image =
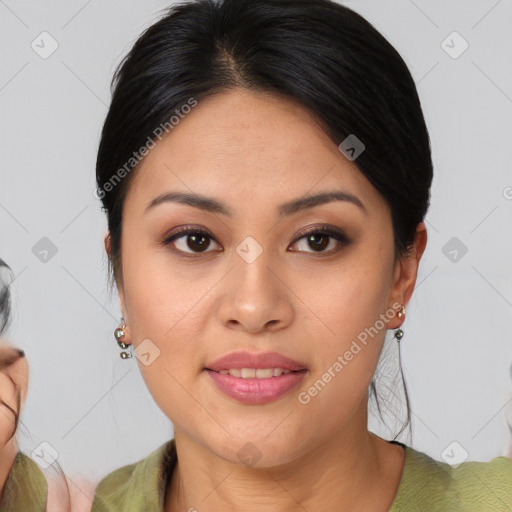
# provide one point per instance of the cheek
(348, 297)
(166, 307)
(172, 388)
(159, 295)
(172, 376)
(349, 300)
(345, 361)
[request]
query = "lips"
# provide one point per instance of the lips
(255, 360)
(235, 375)
(256, 391)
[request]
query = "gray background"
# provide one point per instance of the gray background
(93, 408)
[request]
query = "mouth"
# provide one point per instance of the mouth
(255, 377)
(256, 386)
(256, 373)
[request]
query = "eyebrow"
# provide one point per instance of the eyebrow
(212, 205)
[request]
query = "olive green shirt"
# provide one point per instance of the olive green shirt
(25, 489)
(426, 485)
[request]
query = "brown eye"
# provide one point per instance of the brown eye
(318, 240)
(195, 241)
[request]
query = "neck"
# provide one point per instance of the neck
(349, 473)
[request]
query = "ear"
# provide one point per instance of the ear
(405, 274)
(120, 289)
(106, 241)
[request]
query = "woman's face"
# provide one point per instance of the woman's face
(256, 282)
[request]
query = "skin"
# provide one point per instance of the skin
(254, 151)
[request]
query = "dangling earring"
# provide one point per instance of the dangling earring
(399, 333)
(119, 334)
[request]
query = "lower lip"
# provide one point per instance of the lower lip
(256, 391)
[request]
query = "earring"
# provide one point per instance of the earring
(119, 334)
(399, 333)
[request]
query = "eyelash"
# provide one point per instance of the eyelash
(339, 236)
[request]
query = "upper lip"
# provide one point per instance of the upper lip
(256, 360)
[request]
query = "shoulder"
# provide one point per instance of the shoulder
(428, 484)
(484, 485)
(136, 487)
(26, 487)
(424, 485)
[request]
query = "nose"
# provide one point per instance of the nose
(255, 296)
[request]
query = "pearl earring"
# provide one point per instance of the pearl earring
(119, 334)
(399, 334)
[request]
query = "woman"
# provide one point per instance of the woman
(24, 487)
(265, 169)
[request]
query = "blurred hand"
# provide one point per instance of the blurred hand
(13, 392)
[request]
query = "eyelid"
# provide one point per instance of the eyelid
(324, 229)
(187, 229)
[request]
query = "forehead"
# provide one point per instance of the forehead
(245, 145)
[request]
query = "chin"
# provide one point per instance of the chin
(256, 451)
